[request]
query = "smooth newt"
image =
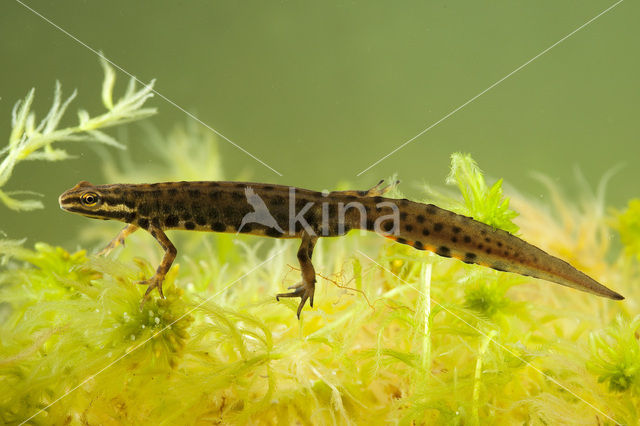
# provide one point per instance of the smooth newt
(287, 212)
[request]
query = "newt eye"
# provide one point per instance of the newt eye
(89, 199)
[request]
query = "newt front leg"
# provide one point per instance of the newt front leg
(304, 289)
(169, 255)
(119, 239)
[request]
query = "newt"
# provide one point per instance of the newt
(280, 211)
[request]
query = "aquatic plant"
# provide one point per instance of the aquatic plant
(628, 225)
(30, 140)
(615, 355)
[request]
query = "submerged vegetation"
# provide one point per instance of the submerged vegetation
(396, 335)
(31, 141)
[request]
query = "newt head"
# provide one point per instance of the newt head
(84, 198)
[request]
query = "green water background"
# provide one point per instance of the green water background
(321, 90)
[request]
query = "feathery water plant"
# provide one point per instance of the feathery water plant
(30, 140)
(615, 355)
(487, 205)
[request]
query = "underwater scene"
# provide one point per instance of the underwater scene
(334, 213)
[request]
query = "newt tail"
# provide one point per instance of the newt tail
(448, 234)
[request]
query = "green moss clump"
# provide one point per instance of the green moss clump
(615, 355)
(628, 225)
(487, 297)
(487, 205)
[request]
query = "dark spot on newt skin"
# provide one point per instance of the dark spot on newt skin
(409, 228)
(114, 201)
(281, 217)
(201, 220)
(499, 243)
(171, 221)
(437, 227)
(218, 227)
(229, 212)
(153, 234)
(130, 217)
(370, 224)
(443, 251)
(196, 208)
(237, 195)
(274, 233)
(480, 246)
(488, 251)
(499, 267)
(130, 204)
(301, 203)
(173, 192)
(214, 195)
(246, 228)
(113, 215)
(418, 245)
(194, 193)
(420, 218)
(467, 239)
(267, 188)
(456, 229)
(377, 199)
(186, 216)
(213, 214)
(166, 208)
(155, 222)
(401, 241)
(425, 232)
(431, 209)
(143, 223)
(403, 215)
(454, 240)
(487, 239)
(144, 209)
(387, 226)
(469, 257)
(157, 193)
(190, 225)
(483, 232)
(214, 184)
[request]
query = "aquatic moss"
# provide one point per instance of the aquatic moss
(615, 355)
(627, 223)
(483, 203)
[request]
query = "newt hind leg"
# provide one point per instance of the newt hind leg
(305, 289)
